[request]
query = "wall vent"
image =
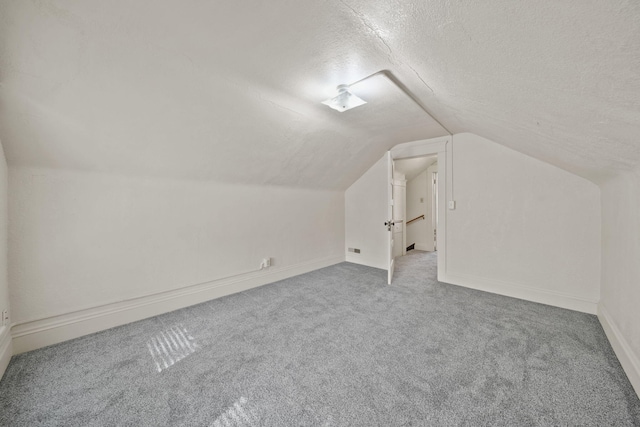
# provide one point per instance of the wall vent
(354, 250)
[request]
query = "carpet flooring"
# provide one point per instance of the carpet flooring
(334, 347)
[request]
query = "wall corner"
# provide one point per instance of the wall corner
(6, 349)
(630, 362)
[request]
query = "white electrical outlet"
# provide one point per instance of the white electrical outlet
(5, 317)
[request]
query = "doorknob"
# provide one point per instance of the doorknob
(389, 224)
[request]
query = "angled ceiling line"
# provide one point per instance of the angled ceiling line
(393, 79)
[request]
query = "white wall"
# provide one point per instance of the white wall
(365, 215)
(80, 240)
(522, 227)
(619, 309)
(5, 338)
(4, 285)
(418, 231)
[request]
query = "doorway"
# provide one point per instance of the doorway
(414, 169)
(415, 202)
(434, 205)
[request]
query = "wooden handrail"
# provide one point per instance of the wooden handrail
(415, 219)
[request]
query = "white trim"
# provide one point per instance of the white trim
(423, 147)
(629, 361)
(40, 333)
(441, 228)
(5, 349)
(543, 296)
(442, 146)
(358, 259)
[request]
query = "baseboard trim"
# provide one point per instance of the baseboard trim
(424, 247)
(629, 361)
(35, 334)
(543, 296)
(357, 259)
(5, 349)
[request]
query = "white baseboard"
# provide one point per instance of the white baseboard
(542, 296)
(5, 349)
(358, 259)
(629, 361)
(41, 333)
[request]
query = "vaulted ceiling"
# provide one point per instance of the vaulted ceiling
(231, 90)
(413, 167)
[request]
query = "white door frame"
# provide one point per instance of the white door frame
(431, 172)
(390, 223)
(442, 147)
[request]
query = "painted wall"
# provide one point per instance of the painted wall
(418, 232)
(6, 347)
(365, 215)
(79, 240)
(620, 304)
(4, 284)
(522, 227)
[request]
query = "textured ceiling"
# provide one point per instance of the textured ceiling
(231, 91)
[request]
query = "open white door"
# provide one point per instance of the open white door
(390, 223)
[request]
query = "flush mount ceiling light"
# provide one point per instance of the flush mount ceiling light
(345, 100)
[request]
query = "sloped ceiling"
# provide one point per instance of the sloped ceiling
(413, 167)
(231, 90)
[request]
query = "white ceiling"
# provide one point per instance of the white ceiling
(230, 92)
(413, 167)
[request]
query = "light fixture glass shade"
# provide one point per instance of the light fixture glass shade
(344, 101)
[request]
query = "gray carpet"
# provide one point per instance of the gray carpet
(334, 347)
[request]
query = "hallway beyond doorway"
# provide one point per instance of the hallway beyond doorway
(416, 268)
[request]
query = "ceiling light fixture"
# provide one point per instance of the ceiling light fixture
(345, 100)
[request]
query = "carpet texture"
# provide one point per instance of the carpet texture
(334, 347)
